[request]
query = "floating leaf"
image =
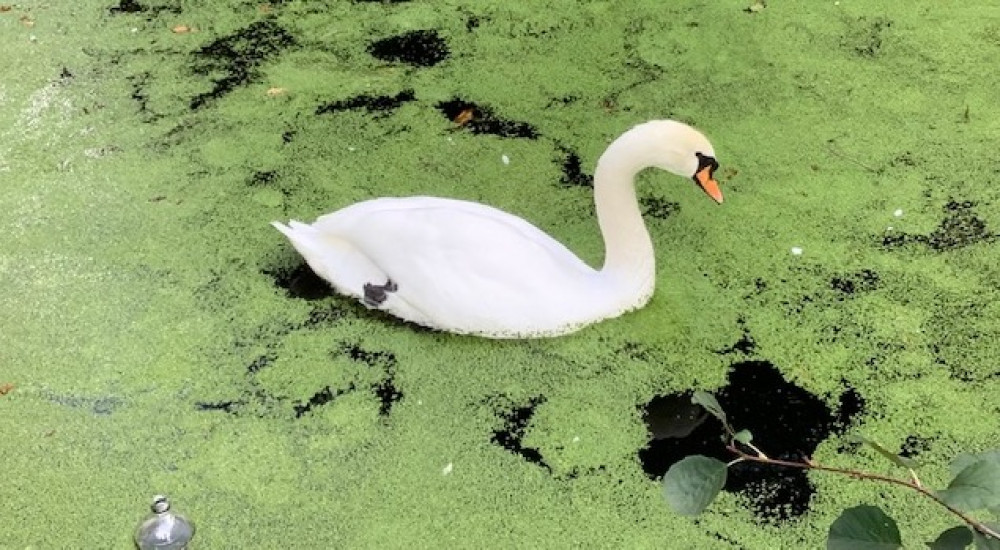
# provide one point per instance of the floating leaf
(743, 436)
(900, 461)
(984, 542)
(710, 404)
(864, 528)
(964, 460)
(977, 486)
(690, 484)
(956, 538)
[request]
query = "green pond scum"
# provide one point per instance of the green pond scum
(160, 337)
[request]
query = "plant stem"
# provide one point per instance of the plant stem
(916, 486)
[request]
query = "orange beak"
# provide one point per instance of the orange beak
(704, 179)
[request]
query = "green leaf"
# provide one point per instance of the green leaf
(864, 528)
(963, 460)
(900, 461)
(743, 436)
(956, 538)
(691, 484)
(710, 404)
(977, 486)
(984, 542)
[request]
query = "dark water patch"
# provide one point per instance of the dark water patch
(472, 22)
(140, 96)
(562, 101)
(126, 7)
(840, 286)
(387, 394)
(376, 104)
(849, 284)
(228, 407)
(746, 345)
(572, 170)
(300, 282)
(515, 419)
(966, 337)
(260, 363)
(422, 48)
(263, 178)
(959, 228)
(325, 315)
(659, 208)
(384, 389)
(480, 119)
(914, 445)
(101, 406)
(866, 37)
(237, 57)
(637, 351)
(383, 359)
(320, 398)
(787, 423)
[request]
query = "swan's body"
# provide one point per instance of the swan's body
(469, 268)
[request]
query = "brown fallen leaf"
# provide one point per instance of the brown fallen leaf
(275, 91)
(464, 117)
(264, 8)
(5, 8)
(183, 29)
(27, 21)
(6, 388)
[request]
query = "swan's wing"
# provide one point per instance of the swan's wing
(464, 262)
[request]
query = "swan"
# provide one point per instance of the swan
(469, 268)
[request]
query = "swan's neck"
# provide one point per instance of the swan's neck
(628, 251)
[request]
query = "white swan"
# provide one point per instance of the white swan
(468, 268)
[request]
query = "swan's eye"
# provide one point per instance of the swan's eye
(706, 161)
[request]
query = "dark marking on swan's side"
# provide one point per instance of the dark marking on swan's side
(376, 295)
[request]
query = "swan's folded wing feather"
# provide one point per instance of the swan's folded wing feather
(454, 256)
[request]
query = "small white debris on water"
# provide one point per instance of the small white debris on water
(447, 469)
(797, 250)
(352, 149)
(576, 439)
(505, 159)
(898, 213)
(888, 228)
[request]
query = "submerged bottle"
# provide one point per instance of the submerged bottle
(163, 529)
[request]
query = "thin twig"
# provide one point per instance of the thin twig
(849, 158)
(915, 485)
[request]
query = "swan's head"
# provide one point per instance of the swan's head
(682, 150)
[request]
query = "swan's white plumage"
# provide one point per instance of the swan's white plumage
(469, 268)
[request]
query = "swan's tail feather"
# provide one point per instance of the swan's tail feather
(332, 258)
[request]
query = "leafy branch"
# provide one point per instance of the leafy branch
(691, 484)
